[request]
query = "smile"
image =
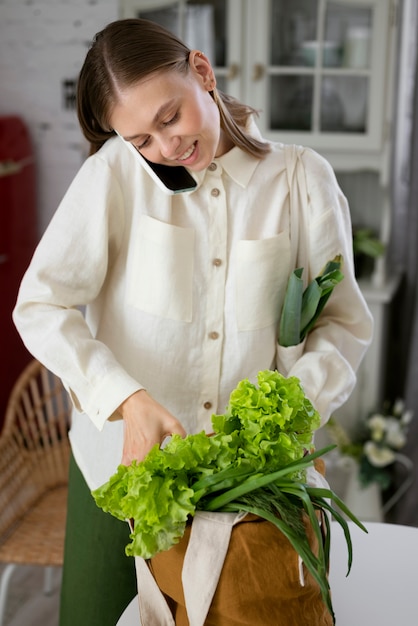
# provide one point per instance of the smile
(188, 153)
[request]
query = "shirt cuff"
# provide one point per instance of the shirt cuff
(106, 397)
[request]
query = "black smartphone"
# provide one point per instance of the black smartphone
(171, 179)
(174, 179)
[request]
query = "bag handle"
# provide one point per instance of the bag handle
(298, 208)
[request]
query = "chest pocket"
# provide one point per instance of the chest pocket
(162, 279)
(262, 270)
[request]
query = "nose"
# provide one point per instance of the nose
(169, 145)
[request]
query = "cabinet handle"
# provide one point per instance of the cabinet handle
(258, 71)
(233, 71)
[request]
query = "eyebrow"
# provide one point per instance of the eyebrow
(160, 113)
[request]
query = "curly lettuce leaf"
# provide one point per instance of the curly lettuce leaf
(275, 420)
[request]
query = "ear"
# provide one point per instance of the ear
(201, 65)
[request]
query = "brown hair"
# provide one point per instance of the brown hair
(128, 50)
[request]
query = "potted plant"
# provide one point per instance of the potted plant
(366, 248)
(370, 454)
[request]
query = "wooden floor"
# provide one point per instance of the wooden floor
(27, 604)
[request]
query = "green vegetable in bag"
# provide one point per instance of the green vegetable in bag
(302, 308)
(256, 461)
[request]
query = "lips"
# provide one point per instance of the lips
(186, 155)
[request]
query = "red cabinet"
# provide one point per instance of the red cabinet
(18, 238)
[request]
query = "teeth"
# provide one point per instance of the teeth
(187, 154)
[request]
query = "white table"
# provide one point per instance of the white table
(382, 588)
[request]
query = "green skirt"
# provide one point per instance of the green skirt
(98, 580)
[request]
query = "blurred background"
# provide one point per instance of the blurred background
(338, 76)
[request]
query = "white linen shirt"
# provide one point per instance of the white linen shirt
(132, 288)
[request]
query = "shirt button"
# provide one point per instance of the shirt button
(215, 192)
(207, 405)
(217, 262)
(213, 335)
(212, 167)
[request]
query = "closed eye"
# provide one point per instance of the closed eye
(172, 120)
(169, 122)
(143, 144)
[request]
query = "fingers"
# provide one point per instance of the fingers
(147, 423)
(177, 429)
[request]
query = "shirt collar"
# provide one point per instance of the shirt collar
(239, 165)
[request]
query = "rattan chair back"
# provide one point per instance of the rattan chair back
(34, 461)
(34, 446)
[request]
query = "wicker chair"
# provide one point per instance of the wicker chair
(34, 458)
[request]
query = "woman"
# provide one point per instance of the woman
(182, 293)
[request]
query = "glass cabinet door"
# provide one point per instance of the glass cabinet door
(206, 25)
(323, 70)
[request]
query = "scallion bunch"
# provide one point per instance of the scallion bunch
(302, 308)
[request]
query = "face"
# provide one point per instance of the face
(171, 118)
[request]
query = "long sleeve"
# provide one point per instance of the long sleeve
(69, 269)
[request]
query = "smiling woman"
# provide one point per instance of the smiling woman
(182, 292)
(185, 129)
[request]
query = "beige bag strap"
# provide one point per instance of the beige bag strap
(153, 607)
(204, 560)
(298, 207)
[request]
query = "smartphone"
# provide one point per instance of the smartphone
(171, 179)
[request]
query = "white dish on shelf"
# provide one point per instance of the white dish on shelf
(330, 52)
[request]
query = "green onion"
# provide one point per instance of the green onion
(280, 500)
(291, 313)
(301, 309)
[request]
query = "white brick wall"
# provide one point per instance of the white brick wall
(42, 43)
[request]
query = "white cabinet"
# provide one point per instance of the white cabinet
(319, 71)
